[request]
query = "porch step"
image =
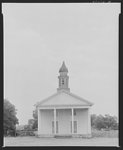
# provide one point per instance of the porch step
(63, 136)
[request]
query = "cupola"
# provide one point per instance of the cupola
(63, 78)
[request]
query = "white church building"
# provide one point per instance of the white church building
(64, 113)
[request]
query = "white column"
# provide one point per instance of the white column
(89, 122)
(54, 121)
(39, 121)
(72, 120)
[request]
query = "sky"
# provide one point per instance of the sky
(39, 37)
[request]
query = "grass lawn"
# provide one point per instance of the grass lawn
(99, 138)
(109, 134)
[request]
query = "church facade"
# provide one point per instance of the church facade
(64, 113)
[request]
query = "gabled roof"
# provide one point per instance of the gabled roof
(64, 98)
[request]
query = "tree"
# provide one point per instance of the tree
(33, 123)
(27, 127)
(93, 119)
(35, 116)
(104, 122)
(10, 119)
(110, 121)
(99, 122)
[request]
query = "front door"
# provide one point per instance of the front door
(63, 125)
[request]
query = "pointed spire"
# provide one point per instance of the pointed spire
(63, 68)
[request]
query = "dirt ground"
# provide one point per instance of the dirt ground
(34, 141)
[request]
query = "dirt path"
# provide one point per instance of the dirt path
(33, 141)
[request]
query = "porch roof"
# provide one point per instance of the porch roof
(63, 98)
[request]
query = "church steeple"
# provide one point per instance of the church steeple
(63, 78)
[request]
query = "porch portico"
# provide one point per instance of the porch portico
(64, 121)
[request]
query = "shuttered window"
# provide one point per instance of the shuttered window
(75, 126)
(71, 126)
(53, 130)
(56, 126)
(52, 126)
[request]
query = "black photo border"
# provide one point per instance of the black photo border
(120, 83)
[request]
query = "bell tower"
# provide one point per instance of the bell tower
(63, 78)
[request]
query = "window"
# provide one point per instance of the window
(62, 81)
(75, 126)
(52, 126)
(71, 126)
(56, 113)
(74, 112)
(56, 126)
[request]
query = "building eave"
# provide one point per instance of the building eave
(64, 107)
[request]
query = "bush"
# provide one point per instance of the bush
(25, 133)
